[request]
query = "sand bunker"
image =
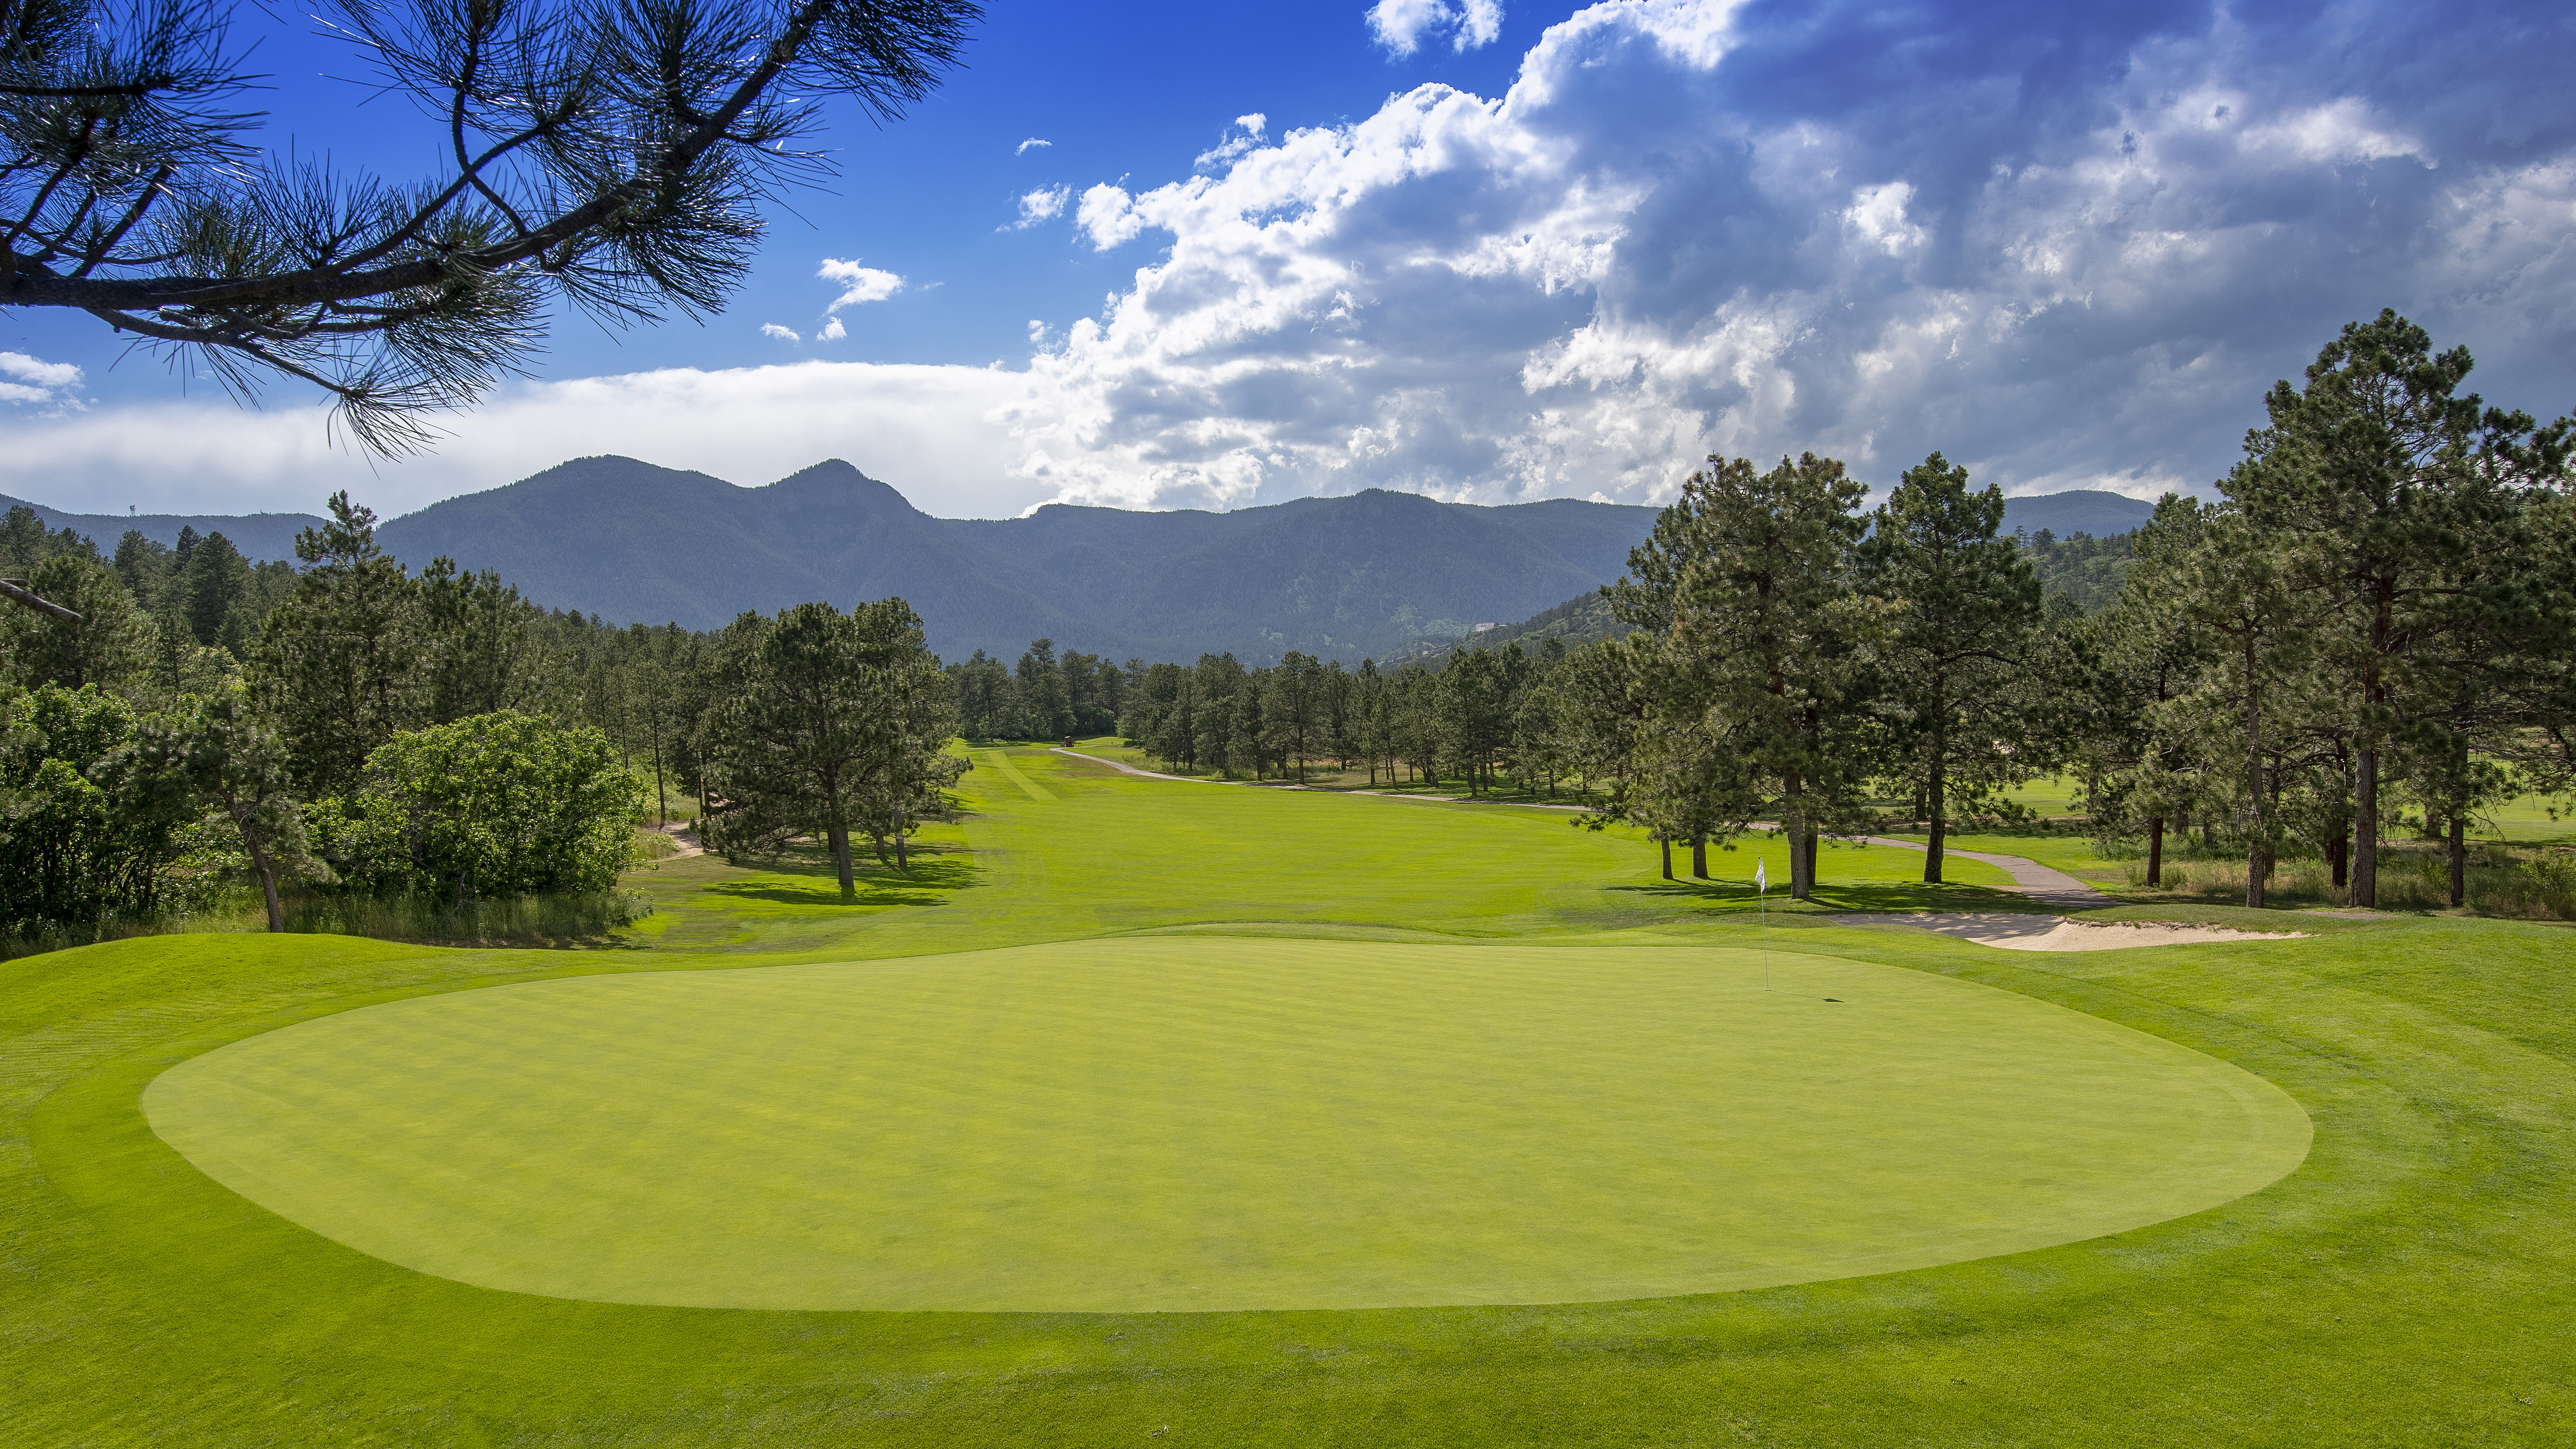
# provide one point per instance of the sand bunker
(2016, 932)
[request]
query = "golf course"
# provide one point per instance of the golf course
(1142, 1110)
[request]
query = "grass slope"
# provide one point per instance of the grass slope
(2405, 1286)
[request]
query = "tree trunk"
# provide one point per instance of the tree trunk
(902, 859)
(1699, 857)
(2339, 856)
(1668, 858)
(2155, 850)
(661, 796)
(267, 870)
(1793, 824)
(2258, 842)
(1935, 790)
(2459, 859)
(1815, 840)
(837, 837)
(2365, 830)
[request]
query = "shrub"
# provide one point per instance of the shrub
(82, 839)
(496, 805)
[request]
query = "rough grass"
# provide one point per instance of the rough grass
(2534, 883)
(2405, 1286)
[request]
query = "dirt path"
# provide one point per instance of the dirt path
(685, 839)
(2041, 883)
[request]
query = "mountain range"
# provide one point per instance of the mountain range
(1340, 577)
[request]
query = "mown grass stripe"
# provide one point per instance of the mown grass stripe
(1011, 772)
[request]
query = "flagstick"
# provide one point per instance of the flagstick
(1762, 896)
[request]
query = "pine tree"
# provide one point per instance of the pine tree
(335, 664)
(792, 751)
(2393, 490)
(1747, 584)
(1964, 601)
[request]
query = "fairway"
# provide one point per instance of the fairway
(1206, 1122)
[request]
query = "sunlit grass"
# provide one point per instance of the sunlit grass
(2406, 1285)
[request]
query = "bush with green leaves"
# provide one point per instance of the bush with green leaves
(492, 805)
(82, 835)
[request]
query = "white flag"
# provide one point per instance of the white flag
(1761, 882)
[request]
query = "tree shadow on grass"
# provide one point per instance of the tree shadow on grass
(805, 877)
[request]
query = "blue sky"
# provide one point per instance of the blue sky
(1495, 251)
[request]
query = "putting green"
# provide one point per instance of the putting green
(1218, 1122)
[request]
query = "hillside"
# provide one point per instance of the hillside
(1337, 577)
(1394, 575)
(2084, 568)
(261, 537)
(2078, 511)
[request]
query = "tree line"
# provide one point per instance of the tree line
(2378, 612)
(343, 725)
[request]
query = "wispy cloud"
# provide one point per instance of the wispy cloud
(1402, 25)
(1044, 204)
(858, 284)
(930, 431)
(1247, 134)
(783, 334)
(1030, 144)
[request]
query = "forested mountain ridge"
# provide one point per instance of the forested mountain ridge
(2081, 510)
(1340, 577)
(261, 537)
(2082, 570)
(1371, 574)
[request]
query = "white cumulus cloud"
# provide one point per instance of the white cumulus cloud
(783, 334)
(858, 284)
(32, 380)
(2070, 256)
(1108, 215)
(1402, 25)
(1684, 230)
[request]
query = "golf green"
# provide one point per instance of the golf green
(1201, 1122)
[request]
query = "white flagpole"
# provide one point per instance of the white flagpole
(1762, 896)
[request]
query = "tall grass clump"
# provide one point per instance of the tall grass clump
(2518, 884)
